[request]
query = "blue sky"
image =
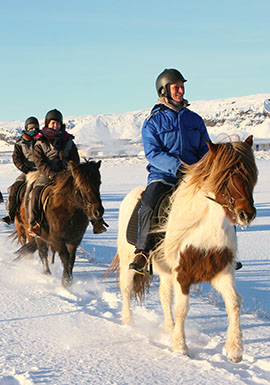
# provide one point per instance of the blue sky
(89, 57)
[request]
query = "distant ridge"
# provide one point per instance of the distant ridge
(121, 133)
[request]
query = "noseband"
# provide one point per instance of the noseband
(230, 206)
(231, 200)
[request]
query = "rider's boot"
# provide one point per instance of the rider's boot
(238, 265)
(7, 220)
(34, 228)
(99, 226)
(139, 262)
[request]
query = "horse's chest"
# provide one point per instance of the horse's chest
(214, 233)
(200, 265)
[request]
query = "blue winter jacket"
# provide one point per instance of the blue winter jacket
(171, 138)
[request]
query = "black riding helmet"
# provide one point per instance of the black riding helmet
(168, 76)
(31, 120)
(54, 115)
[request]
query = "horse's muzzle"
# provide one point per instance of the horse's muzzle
(245, 217)
(97, 211)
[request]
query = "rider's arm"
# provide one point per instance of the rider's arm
(42, 162)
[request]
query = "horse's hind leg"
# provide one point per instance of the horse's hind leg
(43, 255)
(166, 294)
(126, 286)
(181, 308)
(52, 256)
(224, 283)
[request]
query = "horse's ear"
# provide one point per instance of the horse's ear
(249, 140)
(99, 163)
(212, 146)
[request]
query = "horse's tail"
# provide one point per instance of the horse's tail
(113, 268)
(26, 250)
(141, 282)
(14, 236)
(141, 285)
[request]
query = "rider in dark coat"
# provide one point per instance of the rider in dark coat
(53, 149)
(24, 161)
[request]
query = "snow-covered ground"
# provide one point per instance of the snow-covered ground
(50, 335)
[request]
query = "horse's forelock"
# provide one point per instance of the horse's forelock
(215, 167)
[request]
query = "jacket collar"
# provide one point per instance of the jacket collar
(176, 107)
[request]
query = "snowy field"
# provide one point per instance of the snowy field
(53, 336)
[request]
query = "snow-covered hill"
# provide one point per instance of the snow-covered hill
(114, 134)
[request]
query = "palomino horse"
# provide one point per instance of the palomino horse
(69, 203)
(199, 242)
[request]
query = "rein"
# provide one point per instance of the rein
(231, 201)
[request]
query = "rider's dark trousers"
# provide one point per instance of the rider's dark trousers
(35, 212)
(150, 197)
(13, 202)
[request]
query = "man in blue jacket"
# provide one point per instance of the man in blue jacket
(172, 134)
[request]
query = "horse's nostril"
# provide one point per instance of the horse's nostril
(242, 215)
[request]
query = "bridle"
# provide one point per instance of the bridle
(86, 202)
(231, 200)
(230, 206)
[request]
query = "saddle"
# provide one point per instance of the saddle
(18, 197)
(159, 216)
(42, 204)
(20, 194)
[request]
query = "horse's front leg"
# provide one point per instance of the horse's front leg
(65, 259)
(224, 283)
(181, 308)
(43, 255)
(72, 256)
(166, 294)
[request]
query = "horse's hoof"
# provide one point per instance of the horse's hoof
(181, 349)
(47, 272)
(127, 320)
(66, 282)
(234, 357)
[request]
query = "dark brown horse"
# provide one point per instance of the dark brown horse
(200, 241)
(68, 205)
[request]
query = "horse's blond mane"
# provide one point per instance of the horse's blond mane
(187, 207)
(212, 171)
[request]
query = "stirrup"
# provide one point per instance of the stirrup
(99, 226)
(7, 220)
(34, 229)
(134, 265)
(238, 265)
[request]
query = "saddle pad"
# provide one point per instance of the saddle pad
(159, 216)
(132, 229)
(20, 193)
